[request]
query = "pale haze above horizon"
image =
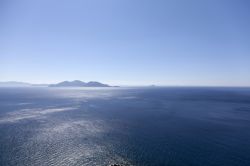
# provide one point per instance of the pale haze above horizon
(126, 42)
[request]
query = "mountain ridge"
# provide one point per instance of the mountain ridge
(75, 83)
(78, 83)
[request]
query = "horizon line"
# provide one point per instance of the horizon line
(141, 85)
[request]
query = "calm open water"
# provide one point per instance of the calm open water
(129, 126)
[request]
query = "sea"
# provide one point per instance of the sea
(130, 126)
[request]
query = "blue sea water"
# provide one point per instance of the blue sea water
(131, 126)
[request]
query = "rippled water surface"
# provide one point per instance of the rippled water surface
(129, 126)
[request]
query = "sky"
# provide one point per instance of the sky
(126, 42)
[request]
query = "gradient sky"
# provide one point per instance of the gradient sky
(126, 42)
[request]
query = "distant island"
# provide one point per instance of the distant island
(75, 83)
(78, 83)
(14, 84)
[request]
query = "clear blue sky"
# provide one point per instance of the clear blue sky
(126, 42)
